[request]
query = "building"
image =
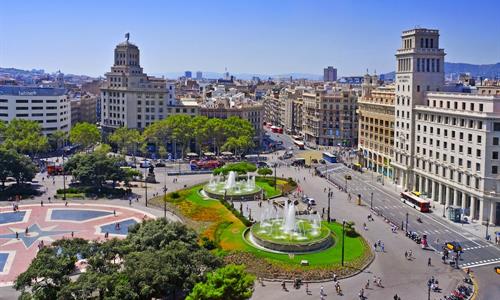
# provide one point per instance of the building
(48, 106)
(129, 97)
(329, 74)
(84, 109)
(199, 75)
(376, 126)
(223, 108)
(329, 117)
(446, 145)
(188, 74)
(184, 106)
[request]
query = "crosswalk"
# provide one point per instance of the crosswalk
(476, 247)
(480, 263)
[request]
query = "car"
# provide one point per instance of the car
(453, 246)
(145, 164)
(160, 164)
(497, 269)
(311, 201)
(322, 161)
(348, 177)
(262, 164)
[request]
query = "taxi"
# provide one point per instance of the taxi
(453, 246)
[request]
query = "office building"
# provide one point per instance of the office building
(199, 75)
(446, 145)
(129, 97)
(47, 106)
(188, 74)
(329, 74)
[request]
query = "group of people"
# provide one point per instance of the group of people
(379, 245)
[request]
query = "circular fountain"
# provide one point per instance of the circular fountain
(288, 233)
(232, 188)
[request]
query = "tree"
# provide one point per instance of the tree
(93, 169)
(229, 282)
(182, 130)
(13, 164)
(125, 138)
(85, 134)
(264, 171)
(24, 136)
(240, 167)
(57, 139)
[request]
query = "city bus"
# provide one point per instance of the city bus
(415, 201)
(297, 138)
(255, 158)
(327, 156)
(299, 144)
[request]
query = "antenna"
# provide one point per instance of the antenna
(127, 36)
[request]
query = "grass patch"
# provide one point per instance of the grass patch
(212, 220)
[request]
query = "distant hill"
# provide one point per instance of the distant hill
(244, 76)
(485, 71)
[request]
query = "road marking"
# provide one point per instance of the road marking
(480, 263)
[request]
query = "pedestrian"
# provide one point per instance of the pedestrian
(283, 285)
(374, 280)
(364, 226)
(406, 254)
(41, 203)
(322, 291)
(26, 231)
(50, 200)
(362, 294)
(66, 203)
(114, 213)
(382, 246)
(137, 199)
(72, 233)
(17, 235)
(367, 285)
(106, 235)
(410, 254)
(129, 202)
(375, 247)
(307, 288)
(429, 262)
(379, 282)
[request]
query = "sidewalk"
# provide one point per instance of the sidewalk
(475, 227)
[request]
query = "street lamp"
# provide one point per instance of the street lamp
(329, 197)
(64, 174)
(165, 189)
(487, 225)
(145, 187)
(343, 235)
(371, 200)
(406, 221)
(275, 181)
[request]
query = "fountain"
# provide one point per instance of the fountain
(232, 187)
(288, 233)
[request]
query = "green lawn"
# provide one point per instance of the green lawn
(212, 219)
(268, 189)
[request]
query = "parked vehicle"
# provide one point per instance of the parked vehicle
(145, 164)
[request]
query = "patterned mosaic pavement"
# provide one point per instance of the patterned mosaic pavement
(21, 232)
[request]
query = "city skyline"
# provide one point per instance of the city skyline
(244, 37)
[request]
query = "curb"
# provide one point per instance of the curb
(475, 288)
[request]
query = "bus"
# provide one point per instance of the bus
(299, 144)
(255, 158)
(276, 129)
(297, 138)
(415, 201)
(327, 156)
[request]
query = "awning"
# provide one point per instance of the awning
(226, 153)
(209, 154)
(192, 154)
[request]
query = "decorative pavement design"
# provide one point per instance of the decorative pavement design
(55, 221)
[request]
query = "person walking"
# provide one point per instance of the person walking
(382, 246)
(429, 262)
(367, 285)
(406, 254)
(322, 291)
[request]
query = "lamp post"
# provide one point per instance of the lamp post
(165, 189)
(64, 173)
(444, 208)
(371, 200)
(329, 198)
(345, 184)
(343, 235)
(429, 283)
(487, 225)
(145, 187)
(407, 221)
(275, 180)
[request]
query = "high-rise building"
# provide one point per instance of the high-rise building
(188, 74)
(129, 97)
(420, 69)
(329, 74)
(49, 107)
(446, 144)
(199, 75)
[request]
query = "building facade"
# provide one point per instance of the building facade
(329, 74)
(129, 97)
(49, 107)
(446, 145)
(376, 126)
(84, 109)
(329, 117)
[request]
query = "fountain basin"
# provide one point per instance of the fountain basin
(232, 189)
(269, 235)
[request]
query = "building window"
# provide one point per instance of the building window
(495, 141)
(494, 169)
(496, 126)
(494, 155)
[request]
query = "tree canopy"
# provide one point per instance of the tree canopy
(93, 169)
(168, 267)
(85, 134)
(125, 139)
(229, 282)
(264, 171)
(13, 164)
(240, 167)
(24, 136)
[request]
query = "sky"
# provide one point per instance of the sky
(259, 36)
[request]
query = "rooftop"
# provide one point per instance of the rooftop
(31, 91)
